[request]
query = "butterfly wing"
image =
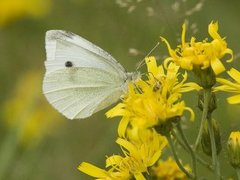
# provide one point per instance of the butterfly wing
(62, 46)
(94, 81)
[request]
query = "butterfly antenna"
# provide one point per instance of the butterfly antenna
(142, 62)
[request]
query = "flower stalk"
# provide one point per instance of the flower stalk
(170, 141)
(206, 100)
(194, 165)
(215, 162)
(214, 149)
(198, 158)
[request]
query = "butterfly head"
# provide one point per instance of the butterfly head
(133, 76)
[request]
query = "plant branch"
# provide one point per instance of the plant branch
(176, 157)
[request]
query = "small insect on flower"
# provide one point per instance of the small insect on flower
(159, 99)
(81, 78)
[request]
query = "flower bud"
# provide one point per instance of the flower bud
(206, 78)
(206, 141)
(164, 128)
(212, 104)
(234, 149)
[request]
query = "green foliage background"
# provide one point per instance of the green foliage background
(115, 30)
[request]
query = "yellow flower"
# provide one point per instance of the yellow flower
(203, 54)
(28, 112)
(98, 173)
(141, 150)
(169, 170)
(144, 145)
(154, 100)
(234, 149)
(233, 87)
(11, 10)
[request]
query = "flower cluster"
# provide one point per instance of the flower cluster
(190, 55)
(151, 114)
(155, 100)
(141, 149)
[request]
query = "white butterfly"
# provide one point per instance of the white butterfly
(81, 78)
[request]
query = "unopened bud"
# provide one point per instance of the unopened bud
(206, 78)
(206, 141)
(164, 128)
(234, 149)
(212, 104)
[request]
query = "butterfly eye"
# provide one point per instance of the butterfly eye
(68, 64)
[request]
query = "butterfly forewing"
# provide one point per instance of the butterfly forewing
(80, 77)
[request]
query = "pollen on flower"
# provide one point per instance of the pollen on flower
(203, 54)
(158, 100)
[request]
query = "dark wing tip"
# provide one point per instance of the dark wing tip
(58, 35)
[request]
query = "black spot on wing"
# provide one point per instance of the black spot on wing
(68, 64)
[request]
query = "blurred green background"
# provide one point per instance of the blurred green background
(38, 143)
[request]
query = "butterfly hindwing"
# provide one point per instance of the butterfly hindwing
(78, 92)
(80, 78)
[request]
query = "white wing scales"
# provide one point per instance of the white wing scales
(63, 46)
(94, 82)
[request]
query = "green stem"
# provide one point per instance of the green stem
(181, 167)
(199, 136)
(198, 158)
(238, 173)
(214, 149)
(179, 128)
(207, 96)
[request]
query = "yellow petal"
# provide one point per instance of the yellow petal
(186, 63)
(116, 111)
(230, 52)
(192, 115)
(155, 157)
(170, 50)
(235, 74)
(113, 160)
(183, 34)
(217, 66)
(123, 126)
(91, 170)
(167, 61)
(151, 65)
(213, 30)
(228, 85)
(128, 146)
(190, 86)
(139, 176)
(234, 99)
